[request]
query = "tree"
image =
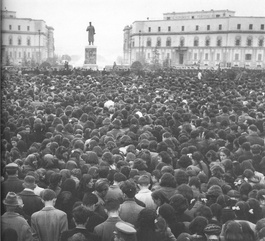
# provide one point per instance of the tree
(66, 57)
(136, 66)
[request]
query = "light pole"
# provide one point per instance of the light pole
(130, 50)
(139, 43)
(39, 46)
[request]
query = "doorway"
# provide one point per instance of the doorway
(181, 58)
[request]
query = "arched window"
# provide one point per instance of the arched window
(158, 42)
(207, 41)
(149, 42)
(196, 42)
(19, 40)
(238, 41)
(28, 41)
(249, 41)
(168, 43)
(219, 41)
(261, 41)
(10, 40)
(182, 41)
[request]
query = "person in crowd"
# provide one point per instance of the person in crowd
(105, 230)
(12, 220)
(32, 202)
(48, 223)
(129, 209)
(80, 216)
(144, 193)
(67, 198)
(149, 228)
(90, 202)
(55, 182)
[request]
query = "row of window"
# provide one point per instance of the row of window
(248, 57)
(19, 41)
(208, 27)
(19, 54)
(18, 27)
(249, 41)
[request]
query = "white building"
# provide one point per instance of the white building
(25, 39)
(205, 38)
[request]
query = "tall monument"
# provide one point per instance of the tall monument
(91, 49)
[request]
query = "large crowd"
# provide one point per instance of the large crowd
(162, 155)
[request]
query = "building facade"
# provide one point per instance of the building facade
(203, 38)
(25, 40)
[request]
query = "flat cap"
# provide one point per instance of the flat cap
(125, 228)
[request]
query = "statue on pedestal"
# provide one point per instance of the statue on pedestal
(91, 33)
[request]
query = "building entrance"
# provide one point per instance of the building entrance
(181, 58)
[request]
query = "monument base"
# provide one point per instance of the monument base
(90, 66)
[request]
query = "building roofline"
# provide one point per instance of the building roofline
(30, 19)
(202, 11)
(194, 19)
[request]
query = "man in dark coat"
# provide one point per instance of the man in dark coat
(12, 183)
(32, 202)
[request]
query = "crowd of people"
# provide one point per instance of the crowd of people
(163, 155)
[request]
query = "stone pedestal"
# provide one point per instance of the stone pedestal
(90, 57)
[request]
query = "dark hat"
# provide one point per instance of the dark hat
(212, 229)
(11, 199)
(125, 228)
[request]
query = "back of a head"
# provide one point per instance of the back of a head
(144, 180)
(47, 195)
(89, 199)
(129, 188)
(80, 214)
(112, 205)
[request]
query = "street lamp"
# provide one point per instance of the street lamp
(39, 46)
(139, 43)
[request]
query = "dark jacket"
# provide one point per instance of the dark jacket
(12, 184)
(66, 235)
(32, 202)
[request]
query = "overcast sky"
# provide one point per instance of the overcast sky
(69, 18)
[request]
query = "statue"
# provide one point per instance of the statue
(91, 33)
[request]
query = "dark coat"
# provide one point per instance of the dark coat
(66, 235)
(32, 202)
(12, 184)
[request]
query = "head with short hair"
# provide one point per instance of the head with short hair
(144, 180)
(90, 199)
(112, 205)
(80, 214)
(47, 195)
(128, 188)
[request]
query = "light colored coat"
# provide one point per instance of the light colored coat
(18, 223)
(48, 224)
(129, 211)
